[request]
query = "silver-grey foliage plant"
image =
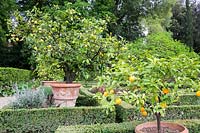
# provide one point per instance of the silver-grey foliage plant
(30, 98)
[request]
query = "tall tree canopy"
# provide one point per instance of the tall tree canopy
(185, 23)
(6, 6)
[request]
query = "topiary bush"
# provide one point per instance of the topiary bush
(9, 76)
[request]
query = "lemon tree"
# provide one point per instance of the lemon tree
(63, 41)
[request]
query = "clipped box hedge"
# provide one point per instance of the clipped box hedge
(48, 119)
(126, 112)
(188, 99)
(125, 127)
(8, 76)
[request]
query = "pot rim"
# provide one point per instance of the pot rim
(70, 85)
(138, 127)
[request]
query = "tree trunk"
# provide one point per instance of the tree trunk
(69, 75)
(158, 118)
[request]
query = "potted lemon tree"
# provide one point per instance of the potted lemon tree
(67, 45)
(152, 84)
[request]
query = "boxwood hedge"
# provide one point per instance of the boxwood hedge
(125, 127)
(48, 119)
(188, 99)
(8, 76)
(126, 112)
(14, 74)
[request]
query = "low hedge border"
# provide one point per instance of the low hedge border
(126, 112)
(48, 119)
(125, 127)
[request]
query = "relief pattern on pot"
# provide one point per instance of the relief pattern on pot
(63, 93)
(69, 93)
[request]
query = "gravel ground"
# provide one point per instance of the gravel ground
(5, 101)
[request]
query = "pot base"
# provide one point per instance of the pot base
(65, 103)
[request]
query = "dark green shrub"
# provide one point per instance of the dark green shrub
(125, 127)
(47, 120)
(9, 76)
(86, 101)
(86, 98)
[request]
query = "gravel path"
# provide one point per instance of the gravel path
(5, 101)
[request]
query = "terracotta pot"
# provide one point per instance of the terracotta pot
(64, 94)
(165, 125)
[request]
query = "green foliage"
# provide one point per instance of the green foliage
(63, 41)
(150, 72)
(160, 18)
(48, 120)
(125, 127)
(130, 15)
(30, 98)
(160, 45)
(9, 76)
(5, 8)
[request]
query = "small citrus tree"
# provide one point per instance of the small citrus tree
(152, 82)
(63, 41)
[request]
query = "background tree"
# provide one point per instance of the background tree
(185, 23)
(10, 54)
(189, 24)
(5, 10)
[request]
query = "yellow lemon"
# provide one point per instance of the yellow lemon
(163, 105)
(198, 93)
(105, 94)
(131, 79)
(118, 101)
